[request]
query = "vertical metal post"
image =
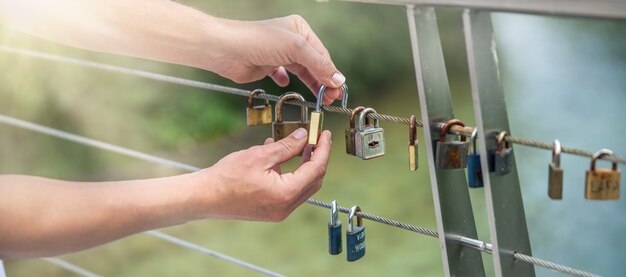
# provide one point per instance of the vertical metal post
(505, 209)
(453, 208)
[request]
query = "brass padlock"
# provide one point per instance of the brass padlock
(317, 116)
(413, 143)
(555, 175)
(503, 155)
(369, 141)
(451, 154)
(282, 129)
(261, 114)
(350, 149)
(603, 183)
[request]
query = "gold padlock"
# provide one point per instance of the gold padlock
(282, 129)
(555, 173)
(258, 115)
(317, 116)
(603, 183)
(413, 143)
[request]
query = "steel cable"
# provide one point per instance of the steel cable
(70, 267)
(161, 161)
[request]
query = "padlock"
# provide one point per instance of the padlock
(282, 129)
(261, 114)
(317, 116)
(350, 149)
(334, 230)
(503, 155)
(474, 170)
(602, 183)
(451, 154)
(355, 236)
(555, 173)
(369, 141)
(413, 143)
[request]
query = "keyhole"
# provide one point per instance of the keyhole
(373, 144)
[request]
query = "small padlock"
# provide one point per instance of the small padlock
(355, 236)
(317, 116)
(369, 141)
(334, 230)
(350, 149)
(502, 156)
(602, 183)
(282, 129)
(261, 114)
(451, 154)
(413, 143)
(474, 170)
(555, 174)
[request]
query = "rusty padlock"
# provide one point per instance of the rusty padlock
(413, 144)
(555, 173)
(258, 115)
(603, 183)
(451, 154)
(281, 129)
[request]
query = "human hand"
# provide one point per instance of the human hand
(252, 50)
(249, 184)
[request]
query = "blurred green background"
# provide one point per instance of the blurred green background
(370, 45)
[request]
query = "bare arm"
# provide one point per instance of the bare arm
(163, 30)
(44, 217)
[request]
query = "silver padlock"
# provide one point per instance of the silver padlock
(369, 141)
(555, 175)
(451, 154)
(503, 155)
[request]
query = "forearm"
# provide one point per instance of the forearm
(160, 30)
(44, 217)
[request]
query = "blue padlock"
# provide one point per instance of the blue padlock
(355, 236)
(474, 171)
(334, 230)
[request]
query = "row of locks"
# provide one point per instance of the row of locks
(365, 140)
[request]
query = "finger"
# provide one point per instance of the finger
(330, 94)
(313, 170)
(320, 66)
(285, 149)
(277, 166)
(280, 76)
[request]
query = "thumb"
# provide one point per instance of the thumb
(285, 149)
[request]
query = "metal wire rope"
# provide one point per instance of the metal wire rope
(71, 267)
(161, 161)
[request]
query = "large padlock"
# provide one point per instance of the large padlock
(602, 183)
(334, 230)
(258, 115)
(350, 149)
(413, 143)
(281, 129)
(451, 154)
(355, 236)
(503, 155)
(474, 170)
(317, 116)
(369, 141)
(555, 173)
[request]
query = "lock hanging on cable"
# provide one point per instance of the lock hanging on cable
(280, 129)
(413, 144)
(258, 115)
(334, 230)
(503, 155)
(602, 183)
(474, 169)
(355, 236)
(451, 154)
(555, 173)
(369, 141)
(350, 147)
(317, 116)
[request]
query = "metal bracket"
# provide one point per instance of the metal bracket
(453, 208)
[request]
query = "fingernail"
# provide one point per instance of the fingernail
(299, 134)
(338, 79)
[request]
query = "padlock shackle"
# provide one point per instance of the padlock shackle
(320, 97)
(473, 139)
(412, 130)
(359, 220)
(501, 140)
(353, 115)
(344, 96)
(291, 96)
(556, 153)
(362, 117)
(334, 213)
(254, 93)
(446, 126)
(600, 154)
